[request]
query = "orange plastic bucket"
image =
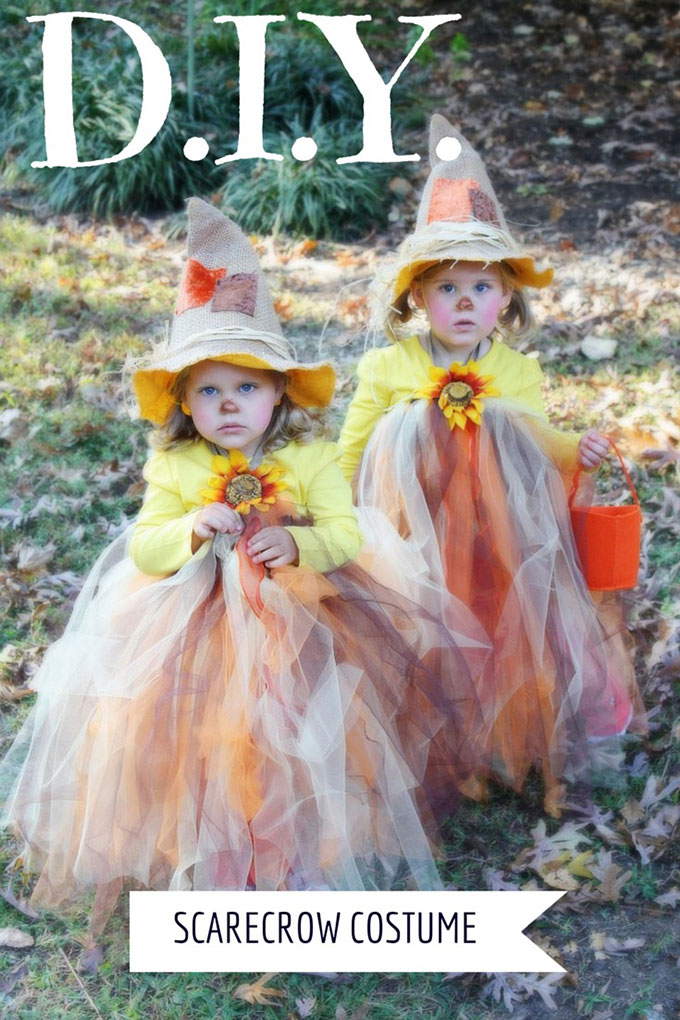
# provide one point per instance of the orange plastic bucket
(608, 539)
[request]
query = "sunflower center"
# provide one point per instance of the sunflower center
(243, 489)
(458, 393)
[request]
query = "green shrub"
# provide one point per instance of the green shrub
(307, 92)
(318, 198)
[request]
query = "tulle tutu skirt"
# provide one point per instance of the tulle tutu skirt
(221, 728)
(486, 508)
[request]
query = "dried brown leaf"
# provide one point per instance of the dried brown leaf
(32, 557)
(19, 903)
(305, 1006)
(606, 945)
(670, 898)
(611, 877)
(11, 980)
(257, 994)
(15, 938)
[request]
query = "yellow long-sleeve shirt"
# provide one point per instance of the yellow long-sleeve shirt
(390, 375)
(161, 542)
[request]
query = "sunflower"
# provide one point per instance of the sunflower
(240, 486)
(459, 391)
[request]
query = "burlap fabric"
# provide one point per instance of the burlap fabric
(224, 312)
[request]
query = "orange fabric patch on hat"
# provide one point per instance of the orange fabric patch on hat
(237, 293)
(197, 286)
(460, 200)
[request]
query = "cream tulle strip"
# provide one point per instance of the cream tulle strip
(486, 509)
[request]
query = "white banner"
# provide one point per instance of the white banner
(297, 932)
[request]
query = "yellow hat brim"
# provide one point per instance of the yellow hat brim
(308, 386)
(525, 270)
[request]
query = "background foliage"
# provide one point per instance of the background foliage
(307, 92)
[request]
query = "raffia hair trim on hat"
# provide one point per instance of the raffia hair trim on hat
(473, 242)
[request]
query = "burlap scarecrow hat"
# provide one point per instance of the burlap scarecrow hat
(224, 313)
(459, 218)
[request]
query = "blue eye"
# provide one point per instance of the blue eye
(447, 288)
(208, 391)
(247, 387)
(481, 288)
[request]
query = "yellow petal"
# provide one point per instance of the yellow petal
(238, 461)
(460, 419)
(220, 464)
(474, 415)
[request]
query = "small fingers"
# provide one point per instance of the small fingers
(265, 554)
(281, 561)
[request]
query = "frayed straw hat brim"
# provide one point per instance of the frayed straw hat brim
(460, 242)
(309, 385)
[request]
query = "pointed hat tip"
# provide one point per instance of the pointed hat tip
(441, 129)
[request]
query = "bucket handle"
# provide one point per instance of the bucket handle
(577, 476)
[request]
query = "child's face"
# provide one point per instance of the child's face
(462, 301)
(231, 406)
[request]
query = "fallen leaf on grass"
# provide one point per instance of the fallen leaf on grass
(15, 938)
(284, 306)
(606, 946)
(305, 1007)
(256, 994)
(358, 1014)
(12, 979)
(514, 988)
(550, 856)
(670, 898)
(19, 903)
(13, 424)
(661, 459)
(10, 693)
(32, 557)
(611, 877)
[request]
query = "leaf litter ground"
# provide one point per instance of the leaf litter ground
(77, 296)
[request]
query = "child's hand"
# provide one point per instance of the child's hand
(275, 547)
(592, 449)
(213, 519)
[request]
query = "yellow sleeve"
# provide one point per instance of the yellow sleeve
(529, 390)
(563, 447)
(370, 401)
(161, 541)
(334, 538)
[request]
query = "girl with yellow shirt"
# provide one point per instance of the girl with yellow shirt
(447, 434)
(236, 703)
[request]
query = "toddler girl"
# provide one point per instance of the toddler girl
(235, 703)
(467, 467)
